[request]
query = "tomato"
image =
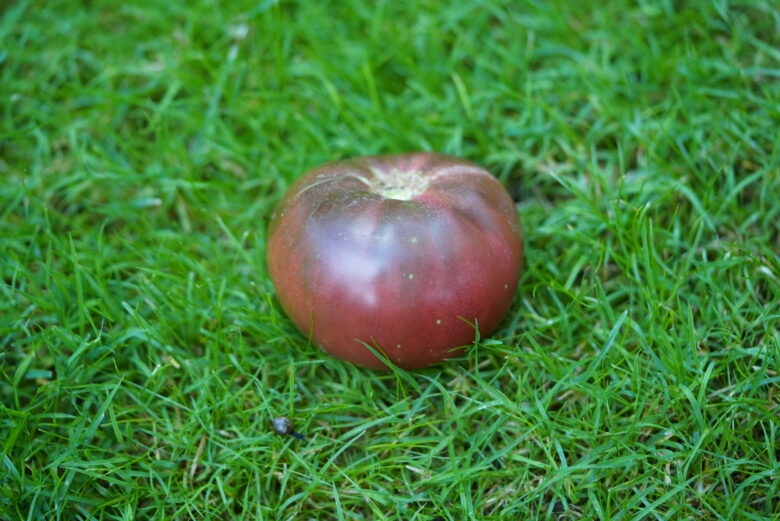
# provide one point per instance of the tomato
(404, 253)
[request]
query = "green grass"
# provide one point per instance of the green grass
(143, 353)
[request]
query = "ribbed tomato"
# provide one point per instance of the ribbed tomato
(398, 252)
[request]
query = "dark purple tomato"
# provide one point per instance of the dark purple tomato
(400, 252)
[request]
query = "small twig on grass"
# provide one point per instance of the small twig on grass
(198, 454)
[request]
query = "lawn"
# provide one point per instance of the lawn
(143, 353)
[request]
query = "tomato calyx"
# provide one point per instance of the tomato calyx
(403, 185)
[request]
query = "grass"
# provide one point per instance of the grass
(143, 353)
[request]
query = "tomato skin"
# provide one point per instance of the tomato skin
(404, 276)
